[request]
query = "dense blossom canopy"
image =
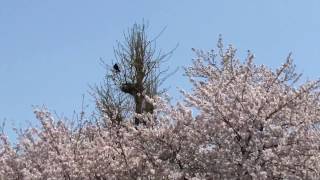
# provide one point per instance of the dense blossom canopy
(240, 121)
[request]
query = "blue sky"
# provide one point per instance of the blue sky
(50, 50)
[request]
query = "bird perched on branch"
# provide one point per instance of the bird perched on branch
(116, 68)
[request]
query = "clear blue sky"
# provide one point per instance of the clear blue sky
(50, 50)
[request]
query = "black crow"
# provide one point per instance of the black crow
(116, 67)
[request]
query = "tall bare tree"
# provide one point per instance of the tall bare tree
(134, 75)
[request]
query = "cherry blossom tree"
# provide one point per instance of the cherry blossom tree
(258, 123)
(240, 121)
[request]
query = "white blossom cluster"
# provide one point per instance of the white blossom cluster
(240, 121)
